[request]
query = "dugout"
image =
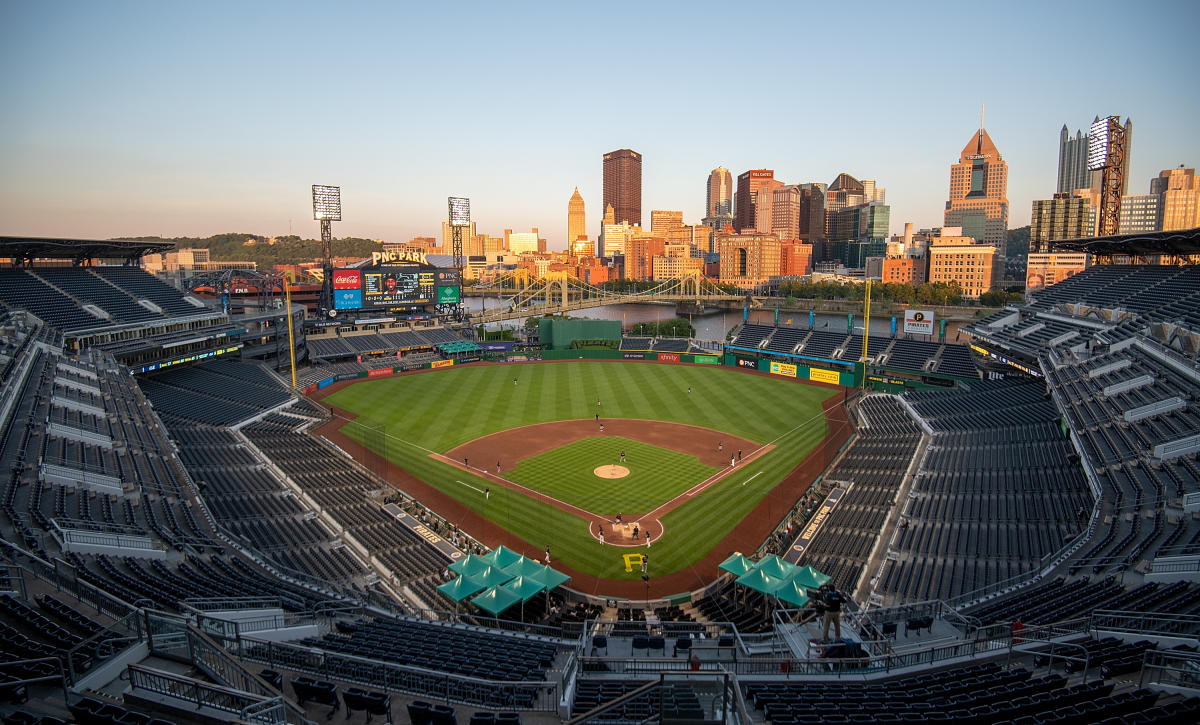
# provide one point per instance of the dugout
(558, 333)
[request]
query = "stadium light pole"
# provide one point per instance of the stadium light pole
(327, 208)
(1106, 154)
(459, 208)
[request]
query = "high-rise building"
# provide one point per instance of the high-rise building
(468, 233)
(1140, 213)
(614, 238)
(961, 259)
(785, 212)
(867, 222)
(874, 193)
(719, 199)
(812, 212)
(662, 221)
(979, 193)
(748, 259)
(623, 185)
(845, 192)
(746, 198)
(718, 203)
(1180, 192)
(1073, 161)
(1064, 217)
(576, 220)
(795, 259)
(523, 242)
(640, 250)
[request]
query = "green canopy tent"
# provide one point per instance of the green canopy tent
(468, 565)
(736, 564)
(495, 600)
(809, 577)
(792, 593)
(551, 578)
(522, 567)
(489, 577)
(760, 581)
(502, 556)
(459, 588)
(525, 588)
(776, 567)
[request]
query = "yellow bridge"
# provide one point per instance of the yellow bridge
(559, 292)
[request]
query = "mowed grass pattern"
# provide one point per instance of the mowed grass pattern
(406, 418)
(656, 475)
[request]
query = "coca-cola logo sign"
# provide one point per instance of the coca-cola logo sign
(347, 279)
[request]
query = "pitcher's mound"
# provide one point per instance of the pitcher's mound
(611, 471)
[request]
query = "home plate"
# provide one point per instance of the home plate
(611, 471)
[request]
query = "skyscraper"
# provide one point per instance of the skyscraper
(576, 221)
(1073, 161)
(1180, 191)
(1063, 217)
(979, 193)
(719, 201)
(623, 185)
(746, 199)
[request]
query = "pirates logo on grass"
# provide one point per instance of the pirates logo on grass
(632, 560)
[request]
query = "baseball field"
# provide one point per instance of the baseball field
(537, 450)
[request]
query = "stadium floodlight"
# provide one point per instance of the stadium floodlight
(1098, 142)
(327, 203)
(460, 211)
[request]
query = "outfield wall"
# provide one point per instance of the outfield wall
(787, 370)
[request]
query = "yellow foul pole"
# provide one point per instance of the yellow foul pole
(287, 293)
(866, 329)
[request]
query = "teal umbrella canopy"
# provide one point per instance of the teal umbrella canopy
(524, 587)
(792, 593)
(736, 564)
(468, 565)
(459, 588)
(490, 577)
(522, 567)
(495, 600)
(550, 577)
(776, 567)
(809, 577)
(760, 581)
(501, 556)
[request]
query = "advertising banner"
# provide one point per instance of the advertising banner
(824, 376)
(706, 360)
(635, 356)
(441, 363)
(747, 363)
(496, 346)
(447, 295)
(778, 368)
(325, 383)
(347, 279)
(668, 357)
(918, 322)
(379, 372)
(1043, 270)
(347, 299)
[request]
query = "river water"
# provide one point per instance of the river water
(713, 324)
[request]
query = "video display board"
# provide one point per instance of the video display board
(389, 286)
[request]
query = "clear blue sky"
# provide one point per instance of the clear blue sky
(192, 118)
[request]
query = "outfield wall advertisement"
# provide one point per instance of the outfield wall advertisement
(918, 322)
(818, 375)
(778, 368)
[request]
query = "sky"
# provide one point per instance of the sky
(191, 119)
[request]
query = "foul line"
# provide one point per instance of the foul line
(748, 480)
(468, 486)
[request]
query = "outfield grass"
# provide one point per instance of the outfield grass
(406, 418)
(656, 475)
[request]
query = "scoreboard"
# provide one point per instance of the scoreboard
(388, 287)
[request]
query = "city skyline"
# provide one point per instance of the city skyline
(132, 119)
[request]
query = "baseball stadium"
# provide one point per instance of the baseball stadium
(226, 504)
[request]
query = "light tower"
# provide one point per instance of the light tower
(327, 207)
(1106, 154)
(460, 216)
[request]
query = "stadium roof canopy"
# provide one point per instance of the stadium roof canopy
(1179, 242)
(26, 249)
